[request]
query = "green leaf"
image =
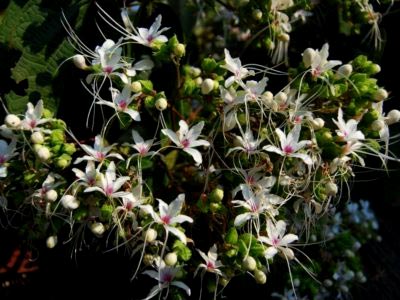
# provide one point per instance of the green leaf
(35, 30)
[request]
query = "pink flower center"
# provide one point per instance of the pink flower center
(167, 277)
(91, 181)
(185, 143)
(122, 105)
(108, 69)
(32, 123)
(297, 119)
(250, 180)
(143, 150)
(210, 265)
(166, 219)
(288, 149)
(129, 205)
(109, 190)
(254, 207)
(275, 241)
(316, 72)
(150, 39)
(100, 155)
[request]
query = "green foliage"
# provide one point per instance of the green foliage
(34, 30)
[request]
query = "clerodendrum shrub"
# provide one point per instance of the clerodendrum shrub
(221, 175)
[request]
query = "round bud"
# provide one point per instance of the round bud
(257, 14)
(171, 259)
(217, 195)
(43, 153)
(317, 123)
(148, 259)
(161, 104)
(12, 121)
(97, 229)
(69, 202)
(281, 97)
(207, 86)
(223, 281)
(179, 50)
(6, 132)
(51, 195)
(393, 116)
(260, 276)
(284, 37)
(136, 87)
(331, 188)
(308, 57)
(380, 95)
(214, 207)
(249, 263)
(37, 137)
(377, 125)
(375, 68)
(150, 235)
(79, 61)
(267, 97)
(195, 72)
(345, 70)
(328, 282)
(349, 253)
(198, 81)
(51, 241)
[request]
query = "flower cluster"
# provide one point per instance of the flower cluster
(222, 162)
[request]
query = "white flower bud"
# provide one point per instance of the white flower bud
(260, 276)
(267, 97)
(51, 195)
(43, 153)
(80, 62)
(393, 116)
(171, 259)
(148, 259)
(179, 50)
(281, 97)
(6, 132)
(356, 246)
(12, 121)
(207, 86)
(380, 95)
(150, 235)
(376, 68)
(257, 14)
(308, 57)
(349, 253)
(328, 282)
(161, 104)
(249, 263)
(136, 87)
(345, 70)
(198, 81)
(195, 72)
(51, 241)
(331, 188)
(317, 123)
(284, 37)
(377, 125)
(37, 137)
(97, 228)
(344, 288)
(69, 202)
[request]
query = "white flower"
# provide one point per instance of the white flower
(188, 139)
(33, 116)
(166, 277)
(247, 143)
(169, 215)
(347, 130)
(147, 37)
(211, 263)
(140, 145)
(318, 60)
(234, 65)
(7, 151)
(278, 240)
(290, 145)
(48, 184)
(109, 184)
(256, 180)
(121, 102)
(99, 152)
(281, 4)
(89, 177)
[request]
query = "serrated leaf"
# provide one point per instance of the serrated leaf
(34, 28)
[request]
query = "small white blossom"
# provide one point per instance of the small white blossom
(347, 130)
(7, 151)
(211, 264)
(147, 37)
(99, 152)
(188, 139)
